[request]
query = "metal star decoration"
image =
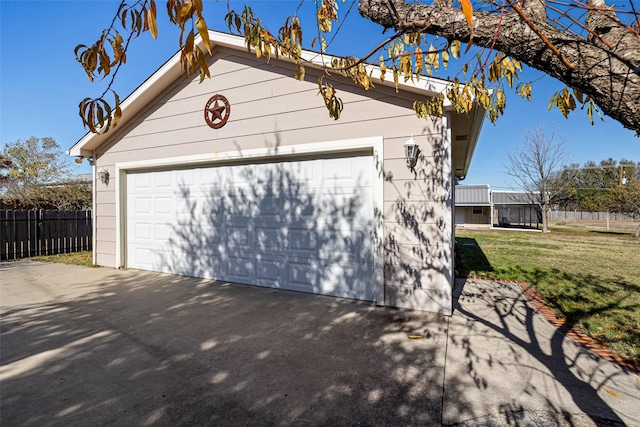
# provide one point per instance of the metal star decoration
(217, 110)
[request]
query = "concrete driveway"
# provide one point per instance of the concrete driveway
(83, 346)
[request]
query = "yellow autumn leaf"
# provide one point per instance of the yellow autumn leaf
(610, 392)
(151, 22)
(445, 59)
(185, 10)
(455, 48)
(433, 58)
(419, 60)
(383, 68)
(201, 25)
(467, 11)
(117, 115)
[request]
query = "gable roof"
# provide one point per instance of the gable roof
(463, 143)
(472, 195)
(512, 198)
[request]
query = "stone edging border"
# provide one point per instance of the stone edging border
(571, 331)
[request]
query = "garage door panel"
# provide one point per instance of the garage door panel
(143, 231)
(347, 280)
(164, 179)
(186, 177)
(299, 225)
(207, 265)
(302, 240)
(269, 205)
(189, 263)
(144, 257)
(303, 275)
(269, 271)
(143, 205)
(240, 269)
(238, 237)
(269, 240)
(164, 206)
(139, 182)
(344, 170)
(347, 250)
(209, 236)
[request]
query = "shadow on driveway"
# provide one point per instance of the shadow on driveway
(130, 348)
(100, 346)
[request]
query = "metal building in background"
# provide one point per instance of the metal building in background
(473, 206)
(515, 209)
(477, 206)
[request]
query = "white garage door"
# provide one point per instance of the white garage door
(299, 225)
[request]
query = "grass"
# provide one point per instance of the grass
(589, 275)
(74, 258)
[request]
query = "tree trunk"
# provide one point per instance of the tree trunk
(637, 232)
(611, 76)
(545, 216)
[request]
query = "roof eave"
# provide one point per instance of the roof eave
(479, 114)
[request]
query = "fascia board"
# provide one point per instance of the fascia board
(477, 120)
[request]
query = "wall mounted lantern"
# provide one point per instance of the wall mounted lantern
(103, 175)
(411, 151)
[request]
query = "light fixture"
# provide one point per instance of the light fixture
(79, 160)
(103, 176)
(411, 151)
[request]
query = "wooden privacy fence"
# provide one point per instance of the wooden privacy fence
(43, 232)
(589, 216)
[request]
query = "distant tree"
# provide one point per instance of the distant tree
(5, 162)
(628, 169)
(591, 184)
(538, 168)
(625, 198)
(34, 162)
(36, 175)
(63, 196)
(569, 198)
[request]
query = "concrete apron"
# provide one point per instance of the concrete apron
(84, 346)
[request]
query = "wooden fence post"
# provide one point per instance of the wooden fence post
(4, 235)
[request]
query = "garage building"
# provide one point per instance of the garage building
(245, 178)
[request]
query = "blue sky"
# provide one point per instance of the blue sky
(41, 84)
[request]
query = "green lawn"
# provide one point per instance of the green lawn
(75, 258)
(590, 276)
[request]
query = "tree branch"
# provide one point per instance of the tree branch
(540, 34)
(610, 76)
